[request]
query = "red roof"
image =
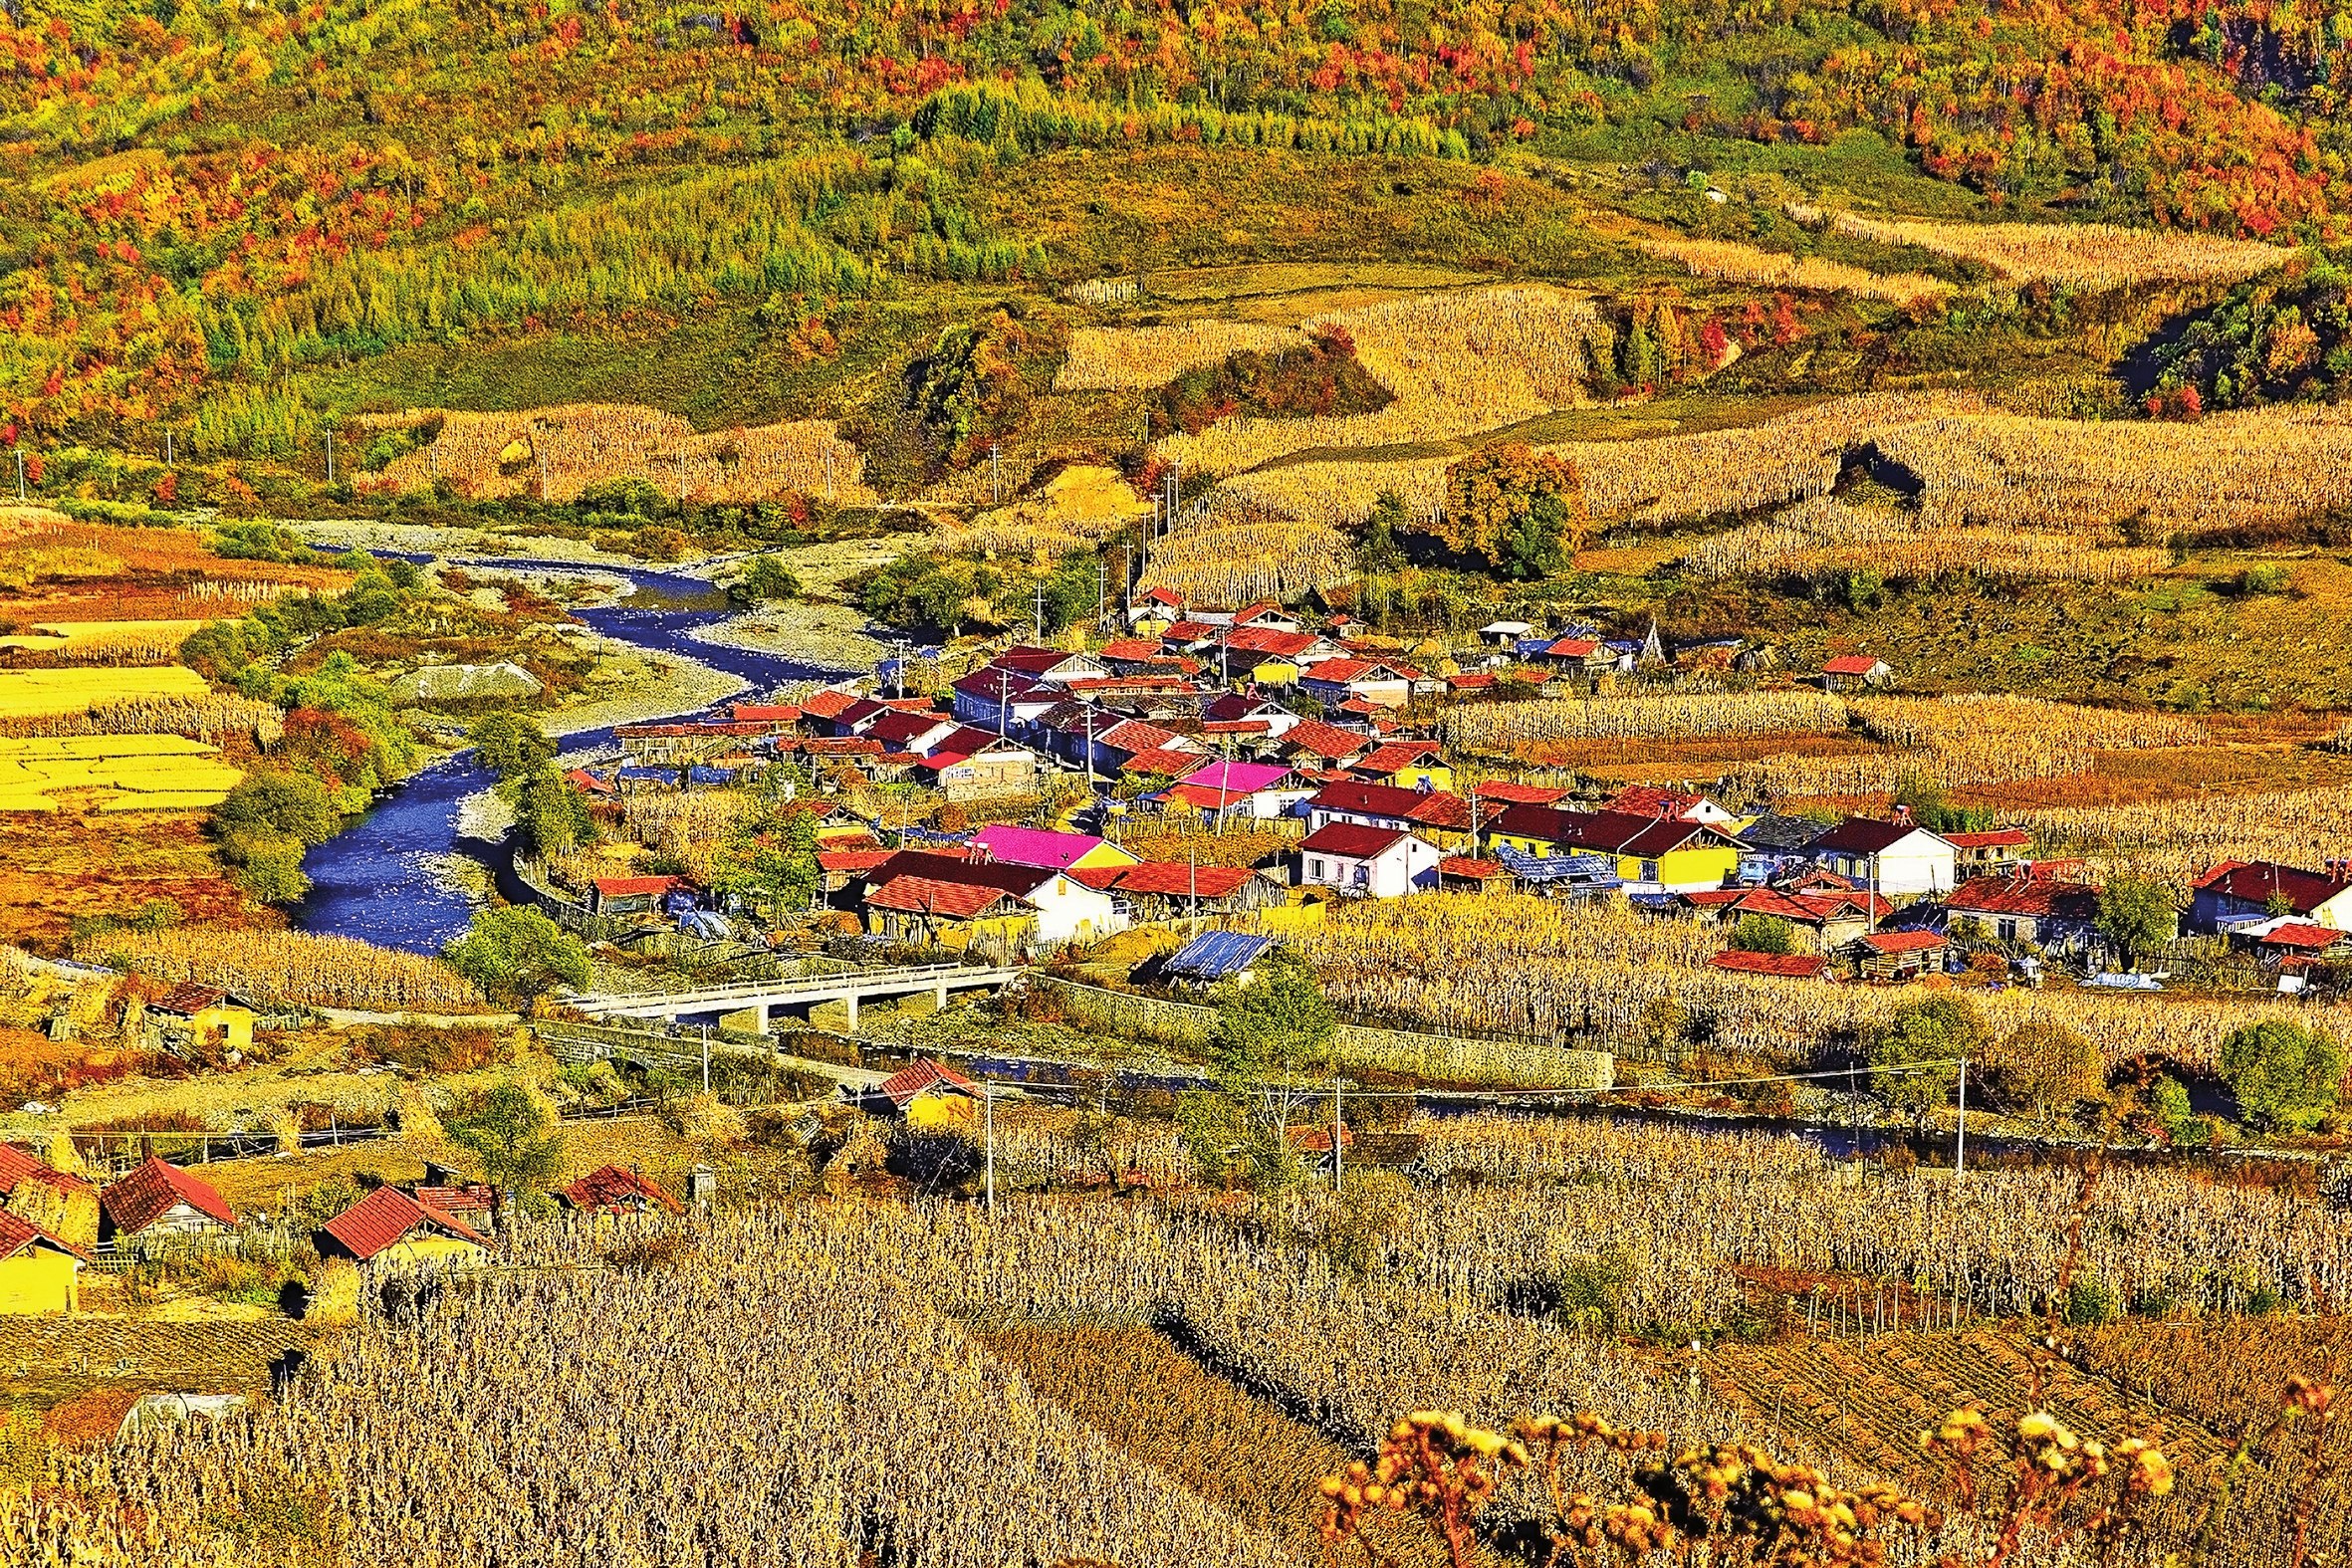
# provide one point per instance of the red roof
(1999, 838)
(1172, 878)
(1271, 641)
(189, 999)
(2255, 883)
(1131, 648)
(852, 860)
(16, 1166)
(1168, 759)
(1189, 631)
(923, 1074)
(386, 1215)
(1643, 800)
(581, 780)
(633, 887)
(1476, 681)
(18, 1235)
(1992, 896)
(1573, 648)
(1852, 664)
(152, 1190)
(2315, 938)
(1466, 866)
(1904, 941)
(1397, 756)
(839, 745)
(828, 704)
(1350, 840)
(1160, 597)
(763, 713)
(1512, 793)
(1372, 799)
(616, 1189)
(472, 1199)
(1788, 966)
(1347, 672)
(922, 895)
(1319, 739)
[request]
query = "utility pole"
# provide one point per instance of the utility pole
(1101, 592)
(988, 1102)
(706, 1058)
(995, 475)
(330, 457)
(20, 473)
(1960, 1145)
(167, 447)
(1041, 612)
(1335, 1127)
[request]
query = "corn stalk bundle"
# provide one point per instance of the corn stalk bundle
(293, 967)
(212, 716)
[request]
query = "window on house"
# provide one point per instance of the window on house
(1363, 876)
(1649, 870)
(1314, 869)
(2009, 931)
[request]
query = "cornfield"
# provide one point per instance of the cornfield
(555, 453)
(803, 1383)
(1824, 536)
(212, 717)
(1548, 970)
(1735, 263)
(686, 827)
(1125, 359)
(1458, 363)
(291, 967)
(1238, 552)
(2098, 255)
(1079, 508)
(2176, 841)
(1502, 726)
(1966, 738)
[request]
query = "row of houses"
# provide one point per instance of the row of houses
(158, 1204)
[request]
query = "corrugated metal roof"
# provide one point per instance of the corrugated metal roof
(1214, 954)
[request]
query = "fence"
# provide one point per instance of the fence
(1440, 1057)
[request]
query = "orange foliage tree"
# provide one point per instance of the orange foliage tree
(1518, 510)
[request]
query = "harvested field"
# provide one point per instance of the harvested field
(36, 694)
(1456, 364)
(1077, 508)
(1824, 536)
(556, 453)
(2096, 255)
(56, 866)
(1738, 263)
(58, 573)
(120, 772)
(1119, 358)
(1505, 726)
(291, 965)
(70, 1369)
(1238, 552)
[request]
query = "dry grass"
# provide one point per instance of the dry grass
(1079, 507)
(291, 965)
(1134, 359)
(53, 867)
(1238, 552)
(561, 451)
(1506, 725)
(1825, 536)
(122, 772)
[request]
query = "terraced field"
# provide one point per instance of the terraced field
(133, 773)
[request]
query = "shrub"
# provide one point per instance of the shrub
(1938, 1029)
(2044, 1067)
(2285, 1076)
(1764, 933)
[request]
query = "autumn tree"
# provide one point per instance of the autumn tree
(1518, 510)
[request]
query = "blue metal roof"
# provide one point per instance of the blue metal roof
(1213, 954)
(648, 774)
(710, 776)
(1586, 870)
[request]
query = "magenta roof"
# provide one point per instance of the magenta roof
(1237, 778)
(1035, 847)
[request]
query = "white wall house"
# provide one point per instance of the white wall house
(1374, 862)
(1896, 858)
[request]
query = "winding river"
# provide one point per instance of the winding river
(380, 879)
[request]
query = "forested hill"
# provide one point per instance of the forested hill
(198, 200)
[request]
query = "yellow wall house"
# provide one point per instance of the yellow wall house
(389, 1224)
(37, 1272)
(1653, 854)
(931, 1094)
(204, 1014)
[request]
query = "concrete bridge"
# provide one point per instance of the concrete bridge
(763, 997)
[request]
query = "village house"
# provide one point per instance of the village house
(925, 1093)
(1259, 792)
(911, 732)
(1216, 955)
(1822, 923)
(1468, 874)
(1375, 862)
(961, 916)
(197, 1017)
(1406, 765)
(2237, 892)
(1310, 742)
(2019, 908)
(160, 1201)
(1584, 664)
(1997, 852)
(1155, 891)
(1677, 805)
(390, 1224)
(1895, 857)
(1163, 606)
(1002, 701)
(1061, 908)
(39, 1273)
(67, 1209)
(1774, 845)
(1339, 681)
(1271, 656)
(618, 1190)
(1047, 848)
(1267, 613)
(1854, 671)
(639, 895)
(1246, 713)
(1050, 664)
(972, 764)
(1898, 955)
(1652, 855)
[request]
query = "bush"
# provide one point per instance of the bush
(515, 954)
(1764, 933)
(1938, 1029)
(2089, 1300)
(335, 1296)
(2043, 1067)
(2285, 1076)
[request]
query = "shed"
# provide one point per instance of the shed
(161, 1199)
(390, 1224)
(617, 1189)
(1216, 955)
(39, 1274)
(199, 1015)
(1899, 954)
(926, 1093)
(1855, 670)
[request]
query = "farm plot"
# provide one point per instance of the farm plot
(1504, 727)
(39, 693)
(1136, 358)
(556, 453)
(1238, 552)
(2096, 255)
(1738, 263)
(291, 965)
(1826, 535)
(1079, 507)
(1968, 738)
(130, 773)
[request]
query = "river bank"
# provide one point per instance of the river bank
(823, 626)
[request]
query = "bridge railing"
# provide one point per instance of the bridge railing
(773, 990)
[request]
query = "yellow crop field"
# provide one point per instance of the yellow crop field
(139, 773)
(40, 694)
(2095, 254)
(1081, 506)
(561, 451)
(1823, 535)
(1456, 364)
(1746, 264)
(1495, 726)
(1239, 553)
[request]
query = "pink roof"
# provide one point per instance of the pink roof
(1790, 966)
(1237, 778)
(1852, 664)
(1035, 847)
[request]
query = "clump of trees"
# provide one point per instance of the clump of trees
(515, 955)
(1323, 380)
(1518, 510)
(1274, 1029)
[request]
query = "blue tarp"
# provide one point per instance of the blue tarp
(710, 776)
(1214, 954)
(647, 775)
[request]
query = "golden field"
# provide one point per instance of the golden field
(134, 772)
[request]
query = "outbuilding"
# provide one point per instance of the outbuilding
(39, 1274)
(390, 1224)
(161, 1199)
